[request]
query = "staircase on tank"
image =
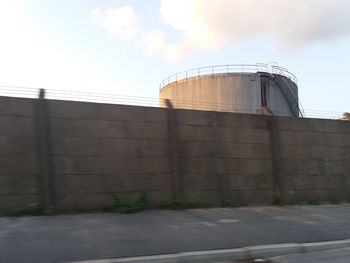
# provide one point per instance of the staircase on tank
(285, 86)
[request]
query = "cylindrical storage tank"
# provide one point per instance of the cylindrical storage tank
(254, 89)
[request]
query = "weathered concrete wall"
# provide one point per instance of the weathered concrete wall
(19, 172)
(104, 150)
(314, 159)
(99, 151)
(225, 157)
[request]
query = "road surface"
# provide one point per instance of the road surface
(94, 236)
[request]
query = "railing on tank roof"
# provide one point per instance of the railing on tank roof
(225, 69)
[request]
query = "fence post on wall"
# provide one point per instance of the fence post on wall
(346, 116)
(174, 152)
(44, 154)
(276, 156)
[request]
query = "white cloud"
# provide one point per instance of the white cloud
(121, 23)
(207, 24)
(154, 44)
(31, 60)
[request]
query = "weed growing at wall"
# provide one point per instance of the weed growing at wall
(181, 204)
(313, 201)
(227, 202)
(131, 207)
(287, 199)
(20, 213)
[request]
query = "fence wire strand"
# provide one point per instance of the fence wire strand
(81, 96)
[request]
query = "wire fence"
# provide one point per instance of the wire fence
(33, 93)
(226, 69)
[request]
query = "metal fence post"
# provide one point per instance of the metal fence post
(174, 152)
(44, 154)
(276, 157)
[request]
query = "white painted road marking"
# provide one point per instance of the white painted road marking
(229, 221)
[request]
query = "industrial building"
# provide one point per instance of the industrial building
(253, 89)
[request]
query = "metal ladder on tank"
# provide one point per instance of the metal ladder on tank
(284, 86)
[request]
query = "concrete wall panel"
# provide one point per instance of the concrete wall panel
(16, 125)
(100, 151)
(17, 107)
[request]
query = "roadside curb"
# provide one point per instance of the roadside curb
(227, 255)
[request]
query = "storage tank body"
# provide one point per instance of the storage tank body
(243, 92)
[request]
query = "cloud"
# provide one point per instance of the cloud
(154, 44)
(209, 25)
(293, 24)
(121, 23)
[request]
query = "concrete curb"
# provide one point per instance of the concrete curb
(227, 255)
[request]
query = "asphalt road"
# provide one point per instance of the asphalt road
(95, 236)
(328, 256)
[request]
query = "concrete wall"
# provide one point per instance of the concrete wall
(104, 150)
(99, 151)
(19, 170)
(314, 159)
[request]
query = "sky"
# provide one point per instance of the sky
(127, 47)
